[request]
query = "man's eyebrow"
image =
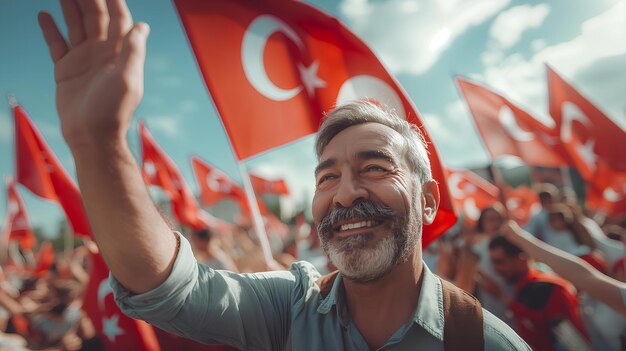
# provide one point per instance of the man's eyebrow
(325, 165)
(377, 154)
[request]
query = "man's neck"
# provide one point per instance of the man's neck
(379, 308)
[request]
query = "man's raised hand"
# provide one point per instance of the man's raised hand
(99, 71)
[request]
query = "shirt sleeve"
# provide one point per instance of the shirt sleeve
(247, 311)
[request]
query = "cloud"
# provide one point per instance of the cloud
(593, 62)
(508, 27)
(420, 30)
(167, 125)
(188, 106)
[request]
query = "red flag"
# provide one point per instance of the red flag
(117, 331)
(522, 203)
(508, 130)
(44, 259)
(17, 223)
(263, 186)
(610, 200)
(158, 169)
(215, 184)
(595, 143)
(290, 62)
(471, 193)
(39, 170)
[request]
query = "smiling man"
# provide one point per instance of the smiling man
(374, 193)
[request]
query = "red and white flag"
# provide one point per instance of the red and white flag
(17, 226)
(44, 259)
(471, 193)
(214, 184)
(263, 186)
(508, 130)
(39, 170)
(595, 143)
(611, 199)
(159, 170)
(289, 63)
(522, 203)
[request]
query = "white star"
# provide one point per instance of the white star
(110, 327)
(309, 77)
(586, 153)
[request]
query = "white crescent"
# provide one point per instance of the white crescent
(454, 182)
(470, 209)
(364, 86)
(611, 195)
(252, 48)
(104, 289)
(150, 169)
(571, 113)
(508, 121)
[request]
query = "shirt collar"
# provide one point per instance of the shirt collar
(428, 314)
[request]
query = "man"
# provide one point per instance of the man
(545, 307)
(538, 225)
(374, 192)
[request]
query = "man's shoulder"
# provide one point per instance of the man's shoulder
(499, 336)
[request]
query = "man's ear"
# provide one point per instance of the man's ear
(430, 201)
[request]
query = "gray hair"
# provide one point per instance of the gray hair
(359, 112)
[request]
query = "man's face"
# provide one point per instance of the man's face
(510, 268)
(368, 204)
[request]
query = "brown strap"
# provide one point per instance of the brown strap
(463, 316)
(325, 283)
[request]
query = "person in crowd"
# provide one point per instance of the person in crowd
(474, 257)
(208, 251)
(538, 224)
(374, 194)
(545, 307)
(603, 319)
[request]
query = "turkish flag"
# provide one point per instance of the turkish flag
(263, 186)
(215, 184)
(471, 194)
(158, 169)
(508, 130)
(273, 67)
(38, 169)
(522, 203)
(17, 224)
(610, 200)
(117, 331)
(593, 140)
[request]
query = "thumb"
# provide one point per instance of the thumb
(133, 54)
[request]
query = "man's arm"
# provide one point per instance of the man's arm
(572, 268)
(99, 76)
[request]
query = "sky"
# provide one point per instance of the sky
(424, 43)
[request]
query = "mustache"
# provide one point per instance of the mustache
(362, 209)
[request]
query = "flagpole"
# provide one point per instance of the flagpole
(498, 180)
(257, 220)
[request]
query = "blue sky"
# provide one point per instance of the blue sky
(424, 43)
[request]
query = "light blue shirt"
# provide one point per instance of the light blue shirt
(283, 310)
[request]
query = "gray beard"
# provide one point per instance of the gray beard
(355, 256)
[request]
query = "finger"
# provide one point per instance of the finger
(133, 54)
(74, 21)
(95, 18)
(120, 19)
(56, 43)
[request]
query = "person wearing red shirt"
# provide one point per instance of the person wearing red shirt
(545, 307)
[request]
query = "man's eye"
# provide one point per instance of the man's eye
(325, 178)
(374, 168)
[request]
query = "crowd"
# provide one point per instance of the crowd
(557, 281)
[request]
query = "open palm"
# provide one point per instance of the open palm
(99, 73)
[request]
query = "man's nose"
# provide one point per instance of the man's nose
(349, 191)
